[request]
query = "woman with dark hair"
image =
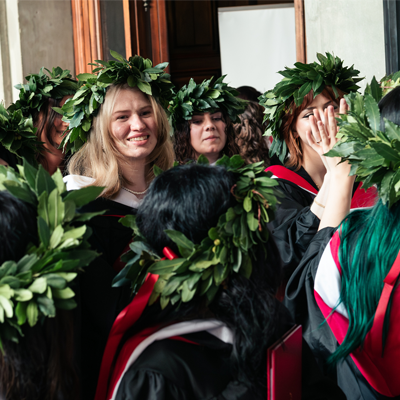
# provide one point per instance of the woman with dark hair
(249, 135)
(37, 342)
(345, 290)
(296, 107)
(36, 101)
(202, 117)
(201, 326)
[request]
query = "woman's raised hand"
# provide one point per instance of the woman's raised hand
(323, 137)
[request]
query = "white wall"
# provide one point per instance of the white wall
(14, 43)
(352, 29)
(256, 42)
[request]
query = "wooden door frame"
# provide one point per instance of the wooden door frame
(158, 29)
(301, 42)
(86, 25)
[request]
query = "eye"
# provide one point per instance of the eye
(217, 118)
(196, 121)
(308, 115)
(122, 117)
(146, 113)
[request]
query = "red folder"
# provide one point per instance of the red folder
(284, 366)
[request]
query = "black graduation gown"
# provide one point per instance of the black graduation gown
(294, 225)
(300, 300)
(98, 302)
(171, 369)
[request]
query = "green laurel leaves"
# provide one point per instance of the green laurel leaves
(373, 154)
(205, 97)
(38, 283)
(18, 135)
(136, 72)
(57, 84)
(296, 84)
(228, 248)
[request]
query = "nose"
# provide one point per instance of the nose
(208, 123)
(137, 123)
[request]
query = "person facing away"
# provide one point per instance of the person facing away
(196, 348)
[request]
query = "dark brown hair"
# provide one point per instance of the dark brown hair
(289, 126)
(184, 150)
(249, 135)
(40, 366)
(44, 121)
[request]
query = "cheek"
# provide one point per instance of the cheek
(116, 130)
(223, 139)
(195, 134)
(302, 125)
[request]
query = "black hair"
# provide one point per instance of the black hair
(389, 107)
(248, 93)
(17, 227)
(190, 199)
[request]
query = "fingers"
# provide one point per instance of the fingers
(332, 125)
(312, 142)
(325, 139)
(314, 128)
(343, 107)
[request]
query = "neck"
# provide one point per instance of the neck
(314, 166)
(211, 157)
(134, 172)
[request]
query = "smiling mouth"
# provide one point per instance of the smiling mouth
(139, 139)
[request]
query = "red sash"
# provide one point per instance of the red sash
(111, 372)
(126, 318)
(380, 368)
(361, 198)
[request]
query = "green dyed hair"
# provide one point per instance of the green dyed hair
(370, 242)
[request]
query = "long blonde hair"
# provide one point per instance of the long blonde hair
(99, 158)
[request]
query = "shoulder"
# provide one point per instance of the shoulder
(180, 369)
(75, 182)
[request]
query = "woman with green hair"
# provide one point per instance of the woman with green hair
(202, 116)
(296, 107)
(345, 291)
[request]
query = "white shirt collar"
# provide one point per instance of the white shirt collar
(74, 182)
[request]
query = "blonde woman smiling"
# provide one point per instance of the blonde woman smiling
(128, 136)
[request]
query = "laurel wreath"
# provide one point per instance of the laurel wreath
(18, 135)
(39, 283)
(137, 72)
(229, 247)
(296, 84)
(205, 97)
(374, 155)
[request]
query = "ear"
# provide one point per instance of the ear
(295, 134)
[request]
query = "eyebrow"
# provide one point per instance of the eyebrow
(128, 110)
(312, 108)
